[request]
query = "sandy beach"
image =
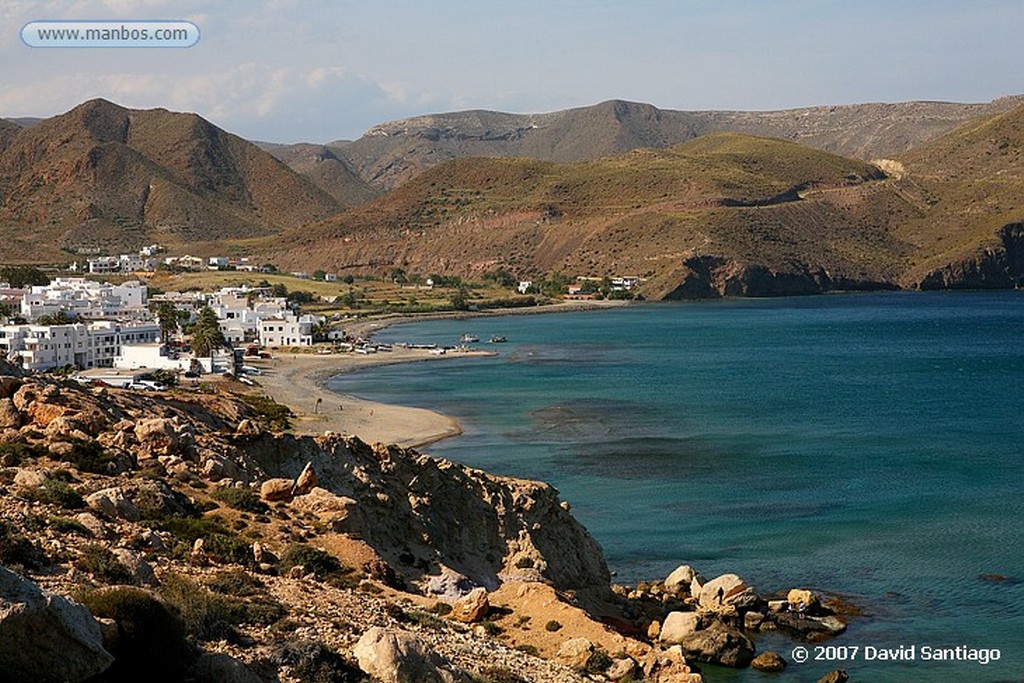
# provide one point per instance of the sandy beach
(298, 381)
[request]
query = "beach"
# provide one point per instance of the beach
(298, 381)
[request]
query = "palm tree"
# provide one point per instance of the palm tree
(167, 316)
(207, 336)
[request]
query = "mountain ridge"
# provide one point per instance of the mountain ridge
(389, 154)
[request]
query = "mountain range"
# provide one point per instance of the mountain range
(919, 195)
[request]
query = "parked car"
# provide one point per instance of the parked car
(147, 385)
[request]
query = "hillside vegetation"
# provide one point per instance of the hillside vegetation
(751, 201)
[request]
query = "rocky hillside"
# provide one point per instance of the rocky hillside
(969, 184)
(114, 178)
(175, 537)
(722, 214)
(391, 154)
(326, 170)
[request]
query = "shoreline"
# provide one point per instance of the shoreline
(299, 381)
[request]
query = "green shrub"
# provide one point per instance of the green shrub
(18, 552)
(269, 413)
(240, 498)
(311, 661)
(490, 628)
(13, 454)
(441, 608)
(598, 662)
(67, 525)
(236, 582)
(151, 644)
(219, 542)
(528, 649)
(552, 626)
(323, 565)
(102, 564)
(88, 456)
(208, 615)
(55, 492)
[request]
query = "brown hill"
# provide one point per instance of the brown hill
(109, 177)
(392, 153)
(971, 182)
(723, 214)
(322, 166)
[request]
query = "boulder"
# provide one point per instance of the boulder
(112, 503)
(273, 490)
(46, 638)
(394, 656)
(622, 668)
(575, 652)
(140, 570)
(29, 479)
(306, 481)
(801, 596)
(10, 416)
(449, 585)
(92, 523)
(680, 579)
(669, 666)
(727, 589)
(213, 667)
(769, 661)
(777, 606)
(837, 676)
(472, 607)
(719, 644)
(679, 626)
(753, 620)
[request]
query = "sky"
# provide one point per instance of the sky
(322, 70)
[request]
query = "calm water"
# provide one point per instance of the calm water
(870, 445)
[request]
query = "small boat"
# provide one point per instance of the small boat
(498, 340)
(469, 339)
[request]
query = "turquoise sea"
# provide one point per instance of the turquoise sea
(871, 445)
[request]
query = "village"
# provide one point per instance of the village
(120, 332)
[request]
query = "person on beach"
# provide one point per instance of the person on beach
(721, 594)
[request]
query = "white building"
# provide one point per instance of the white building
(85, 345)
(524, 285)
(85, 299)
(287, 330)
(239, 311)
(125, 263)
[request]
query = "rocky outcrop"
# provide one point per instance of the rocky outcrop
(45, 638)
(769, 661)
(426, 516)
(1000, 266)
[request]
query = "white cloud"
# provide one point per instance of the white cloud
(253, 100)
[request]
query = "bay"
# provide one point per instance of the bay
(870, 445)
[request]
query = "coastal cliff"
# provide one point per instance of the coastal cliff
(206, 547)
